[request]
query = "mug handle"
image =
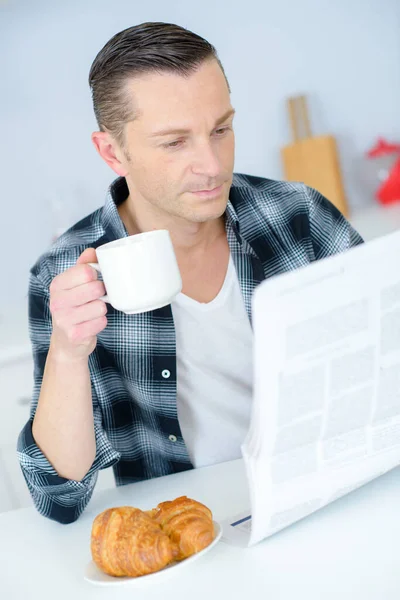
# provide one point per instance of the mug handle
(97, 268)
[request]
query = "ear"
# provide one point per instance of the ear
(110, 152)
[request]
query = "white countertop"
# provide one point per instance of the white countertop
(376, 220)
(349, 550)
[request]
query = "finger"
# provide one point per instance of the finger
(88, 255)
(73, 277)
(66, 299)
(84, 331)
(80, 314)
(88, 312)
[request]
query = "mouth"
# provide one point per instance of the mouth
(209, 193)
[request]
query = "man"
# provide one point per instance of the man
(168, 390)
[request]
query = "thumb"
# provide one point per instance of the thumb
(87, 256)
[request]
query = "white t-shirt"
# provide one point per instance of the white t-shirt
(214, 372)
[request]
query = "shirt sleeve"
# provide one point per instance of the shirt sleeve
(55, 497)
(331, 233)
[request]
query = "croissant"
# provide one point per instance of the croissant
(187, 523)
(127, 542)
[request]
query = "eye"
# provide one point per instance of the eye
(221, 130)
(173, 145)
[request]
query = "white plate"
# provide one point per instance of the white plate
(97, 577)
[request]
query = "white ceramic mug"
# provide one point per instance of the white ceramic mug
(140, 272)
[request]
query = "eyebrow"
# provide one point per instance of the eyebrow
(183, 131)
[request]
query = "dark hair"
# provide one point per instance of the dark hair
(145, 48)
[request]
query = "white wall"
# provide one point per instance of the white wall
(344, 53)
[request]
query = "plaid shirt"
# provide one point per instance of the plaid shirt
(271, 226)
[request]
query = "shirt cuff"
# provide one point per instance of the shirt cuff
(34, 462)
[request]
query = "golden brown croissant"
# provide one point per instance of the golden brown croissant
(188, 524)
(127, 542)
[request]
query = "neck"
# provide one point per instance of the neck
(187, 237)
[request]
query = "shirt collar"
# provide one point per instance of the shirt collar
(232, 218)
(233, 225)
(110, 219)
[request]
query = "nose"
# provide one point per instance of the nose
(205, 161)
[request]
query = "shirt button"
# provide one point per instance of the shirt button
(166, 373)
(172, 438)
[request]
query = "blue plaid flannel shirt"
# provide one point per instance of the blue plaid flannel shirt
(272, 227)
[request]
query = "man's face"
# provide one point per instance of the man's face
(182, 143)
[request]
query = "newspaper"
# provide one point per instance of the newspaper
(326, 407)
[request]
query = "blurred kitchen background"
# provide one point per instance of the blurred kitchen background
(345, 55)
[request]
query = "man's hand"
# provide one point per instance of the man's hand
(78, 314)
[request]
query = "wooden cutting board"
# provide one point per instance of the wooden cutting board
(313, 160)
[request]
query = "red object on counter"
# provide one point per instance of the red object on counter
(389, 190)
(382, 148)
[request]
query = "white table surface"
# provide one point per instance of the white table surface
(349, 550)
(376, 220)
